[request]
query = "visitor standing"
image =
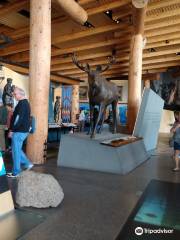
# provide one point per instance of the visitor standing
(19, 131)
(81, 120)
(176, 139)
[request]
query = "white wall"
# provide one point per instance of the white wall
(123, 83)
(167, 118)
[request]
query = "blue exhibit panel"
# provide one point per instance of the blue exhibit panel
(123, 114)
(2, 168)
(3, 181)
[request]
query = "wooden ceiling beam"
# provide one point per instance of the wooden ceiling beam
(147, 60)
(160, 31)
(160, 4)
(162, 56)
(161, 65)
(165, 40)
(13, 7)
(23, 45)
(64, 80)
(163, 51)
(106, 6)
(150, 7)
(125, 69)
(25, 71)
(90, 32)
(165, 14)
(16, 47)
(163, 23)
(87, 57)
(122, 14)
(159, 52)
(77, 70)
(70, 66)
(164, 37)
(126, 63)
(154, 32)
(24, 56)
(24, 32)
(82, 2)
(159, 70)
(89, 46)
(18, 69)
(151, 76)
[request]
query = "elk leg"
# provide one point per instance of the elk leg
(114, 106)
(103, 118)
(101, 109)
(91, 108)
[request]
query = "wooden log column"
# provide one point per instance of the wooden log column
(135, 66)
(74, 10)
(75, 103)
(40, 55)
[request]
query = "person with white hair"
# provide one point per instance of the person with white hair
(19, 131)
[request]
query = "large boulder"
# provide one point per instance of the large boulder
(38, 190)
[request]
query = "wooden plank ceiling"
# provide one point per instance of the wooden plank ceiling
(94, 45)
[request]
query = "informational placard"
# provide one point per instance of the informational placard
(2, 168)
(149, 118)
(156, 214)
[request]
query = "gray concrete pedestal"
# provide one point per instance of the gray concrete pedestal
(79, 151)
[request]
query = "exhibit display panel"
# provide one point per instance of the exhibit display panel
(149, 117)
(156, 215)
(6, 202)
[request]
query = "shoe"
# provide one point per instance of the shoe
(176, 169)
(12, 175)
(29, 167)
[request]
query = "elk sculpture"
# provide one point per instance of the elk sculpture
(101, 93)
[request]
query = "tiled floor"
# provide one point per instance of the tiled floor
(97, 204)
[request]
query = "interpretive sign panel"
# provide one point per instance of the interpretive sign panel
(149, 118)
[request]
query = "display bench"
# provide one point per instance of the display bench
(55, 130)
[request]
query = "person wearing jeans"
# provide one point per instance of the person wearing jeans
(19, 131)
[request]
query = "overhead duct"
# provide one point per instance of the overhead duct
(74, 10)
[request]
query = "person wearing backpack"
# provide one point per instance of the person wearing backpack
(176, 140)
(19, 131)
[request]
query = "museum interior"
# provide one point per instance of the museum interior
(89, 119)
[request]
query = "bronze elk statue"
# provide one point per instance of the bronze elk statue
(101, 93)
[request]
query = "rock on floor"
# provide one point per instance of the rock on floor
(38, 190)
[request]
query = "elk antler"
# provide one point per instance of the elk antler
(112, 60)
(83, 67)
